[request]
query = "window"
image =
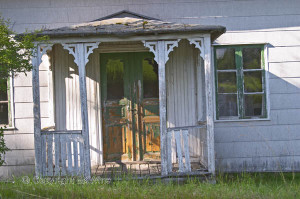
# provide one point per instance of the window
(150, 78)
(5, 106)
(115, 81)
(240, 82)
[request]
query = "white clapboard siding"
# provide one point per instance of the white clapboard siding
(267, 149)
(58, 13)
(259, 164)
(19, 157)
(274, 38)
(257, 133)
(182, 95)
(67, 97)
(245, 22)
(284, 70)
(241, 15)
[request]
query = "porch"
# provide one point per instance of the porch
(142, 169)
(89, 129)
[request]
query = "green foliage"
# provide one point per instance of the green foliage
(15, 53)
(15, 57)
(3, 147)
(244, 185)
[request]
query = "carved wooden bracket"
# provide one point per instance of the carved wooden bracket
(152, 45)
(80, 49)
(168, 47)
(41, 50)
(199, 43)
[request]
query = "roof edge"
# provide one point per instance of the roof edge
(125, 11)
(214, 31)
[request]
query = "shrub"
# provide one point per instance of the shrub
(3, 147)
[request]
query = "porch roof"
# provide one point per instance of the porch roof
(126, 23)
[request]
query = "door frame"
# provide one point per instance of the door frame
(138, 130)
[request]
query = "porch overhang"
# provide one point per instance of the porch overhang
(122, 27)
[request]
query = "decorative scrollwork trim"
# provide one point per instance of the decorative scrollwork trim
(168, 47)
(152, 45)
(42, 50)
(199, 43)
(89, 48)
(80, 49)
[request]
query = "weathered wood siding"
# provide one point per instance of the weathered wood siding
(257, 145)
(67, 97)
(181, 77)
(181, 86)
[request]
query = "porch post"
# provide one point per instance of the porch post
(204, 45)
(161, 50)
(81, 51)
(209, 104)
(36, 61)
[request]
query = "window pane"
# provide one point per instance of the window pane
(225, 58)
(251, 58)
(253, 81)
(150, 78)
(254, 105)
(115, 82)
(227, 82)
(3, 92)
(4, 113)
(227, 105)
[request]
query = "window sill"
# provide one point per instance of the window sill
(243, 120)
(9, 128)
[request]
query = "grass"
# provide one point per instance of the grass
(255, 185)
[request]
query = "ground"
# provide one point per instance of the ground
(255, 185)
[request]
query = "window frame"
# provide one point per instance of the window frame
(240, 82)
(10, 99)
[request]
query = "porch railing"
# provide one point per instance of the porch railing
(62, 153)
(182, 150)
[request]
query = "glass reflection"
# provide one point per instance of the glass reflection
(225, 58)
(254, 105)
(227, 105)
(253, 81)
(150, 78)
(3, 113)
(115, 82)
(227, 82)
(251, 58)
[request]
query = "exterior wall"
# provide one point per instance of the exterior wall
(20, 139)
(67, 97)
(182, 97)
(254, 145)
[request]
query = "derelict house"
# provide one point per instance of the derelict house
(134, 92)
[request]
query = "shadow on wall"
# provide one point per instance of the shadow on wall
(271, 145)
(67, 97)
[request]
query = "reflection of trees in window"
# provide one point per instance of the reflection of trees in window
(240, 82)
(4, 104)
(225, 58)
(227, 82)
(251, 58)
(150, 78)
(253, 81)
(115, 82)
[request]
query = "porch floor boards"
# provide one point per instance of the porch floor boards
(138, 169)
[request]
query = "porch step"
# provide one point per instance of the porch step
(137, 169)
